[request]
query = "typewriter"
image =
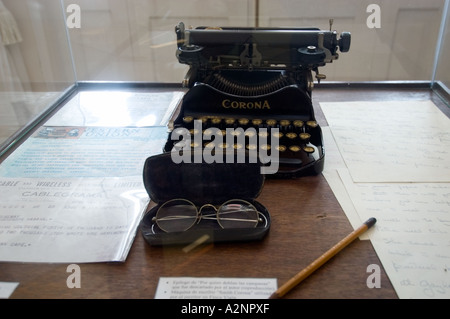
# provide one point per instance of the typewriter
(259, 80)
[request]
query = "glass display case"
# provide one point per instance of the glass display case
(441, 78)
(37, 65)
(57, 44)
(397, 43)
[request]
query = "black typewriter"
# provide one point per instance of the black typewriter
(258, 80)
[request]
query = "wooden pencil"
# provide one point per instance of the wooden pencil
(294, 281)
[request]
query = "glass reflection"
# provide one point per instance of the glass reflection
(35, 63)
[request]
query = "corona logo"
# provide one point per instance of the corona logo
(241, 105)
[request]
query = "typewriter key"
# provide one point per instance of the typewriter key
(252, 147)
(236, 133)
(285, 126)
(285, 123)
(216, 131)
(243, 122)
(216, 121)
(277, 135)
(305, 137)
(271, 122)
(263, 134)
(238, 146)
(203, 119)
(230, 121)
(250, 133)
(188, 119)
(299, 124)
(257, 122)
(281, 148)
(208, 132)
(194, 131)
(309, 149)
(312, 124)
(291, 136)
(195, 145)
(266, 147)
(295, 148)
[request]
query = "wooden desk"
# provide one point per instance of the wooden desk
(306, 221)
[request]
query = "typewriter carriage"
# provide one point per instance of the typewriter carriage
(290, 51)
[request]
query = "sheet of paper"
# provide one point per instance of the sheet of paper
(69, 220)
(7, 289)
(73, 191)
(333, 163)
(412, 234)
(66, 152)
(215, 288)
(115, 109)
(391, 141)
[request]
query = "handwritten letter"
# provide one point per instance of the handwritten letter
(412, 235)
(392, 141)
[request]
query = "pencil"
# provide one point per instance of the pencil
(294, 281)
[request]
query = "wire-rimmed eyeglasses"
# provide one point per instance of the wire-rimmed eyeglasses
(179, 215)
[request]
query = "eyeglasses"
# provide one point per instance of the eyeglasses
(179, 215)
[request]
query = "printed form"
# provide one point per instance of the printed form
(73, 191)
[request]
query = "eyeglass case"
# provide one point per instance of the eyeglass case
(202, 183)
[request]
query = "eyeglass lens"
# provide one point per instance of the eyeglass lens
(237, 214)
(179, 215)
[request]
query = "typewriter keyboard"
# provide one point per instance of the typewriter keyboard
(296, 142)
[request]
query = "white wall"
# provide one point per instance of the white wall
(132, 40)
(45, 51)
(402, 49)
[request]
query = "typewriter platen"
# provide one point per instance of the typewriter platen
(260, 80)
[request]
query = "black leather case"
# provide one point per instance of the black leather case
(202, 183)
